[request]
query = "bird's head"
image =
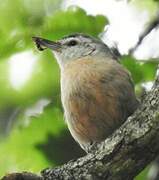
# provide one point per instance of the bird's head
(73, 47)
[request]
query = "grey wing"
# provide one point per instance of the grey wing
(119, 84)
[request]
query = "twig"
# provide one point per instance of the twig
(154, 24)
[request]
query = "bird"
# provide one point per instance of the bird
(97, 92)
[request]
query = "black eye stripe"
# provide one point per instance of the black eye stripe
(72, 43)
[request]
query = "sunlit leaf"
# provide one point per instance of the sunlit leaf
(71, 21)
(19, 151)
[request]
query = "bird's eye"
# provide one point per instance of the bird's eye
(72, 43)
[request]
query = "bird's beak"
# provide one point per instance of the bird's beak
(44, 43)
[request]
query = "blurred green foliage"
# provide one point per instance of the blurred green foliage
(149, 5)
(63, 23)
(140, 71)
(33, 143)
(19, 151)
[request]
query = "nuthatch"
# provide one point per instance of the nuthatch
(97, 92)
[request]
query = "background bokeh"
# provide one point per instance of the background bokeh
(33, 134)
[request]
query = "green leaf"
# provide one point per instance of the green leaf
(140, 71)
(143, 174)
(19, 21)
(150, 6)
(71, 21)
(19, 151)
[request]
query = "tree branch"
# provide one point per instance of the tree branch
(121, 156)
(153, 24)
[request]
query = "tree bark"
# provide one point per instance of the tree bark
(121, 156)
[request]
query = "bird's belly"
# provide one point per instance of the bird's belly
(89, 113)
(97, 98)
